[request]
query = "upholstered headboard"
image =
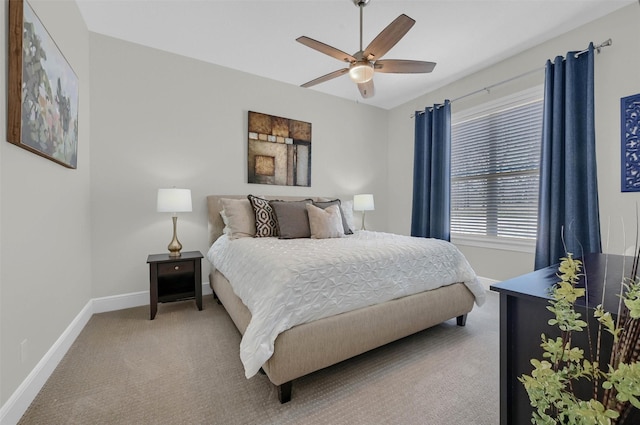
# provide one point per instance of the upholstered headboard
(215, 220)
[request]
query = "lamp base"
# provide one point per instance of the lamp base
(174, 246)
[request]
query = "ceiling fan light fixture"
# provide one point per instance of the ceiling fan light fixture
(362, 63)
(361, 72)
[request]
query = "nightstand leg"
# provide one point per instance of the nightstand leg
(198, 283)
(153, 290)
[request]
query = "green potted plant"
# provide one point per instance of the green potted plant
(616, 384)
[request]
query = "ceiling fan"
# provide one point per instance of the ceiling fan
(364, 63)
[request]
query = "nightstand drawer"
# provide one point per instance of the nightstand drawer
(176, 267)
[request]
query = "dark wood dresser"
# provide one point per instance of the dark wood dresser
(524, 316)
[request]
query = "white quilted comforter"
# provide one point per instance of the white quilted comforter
(289, 282)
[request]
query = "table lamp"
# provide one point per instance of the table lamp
(174, 201)
(363, 203)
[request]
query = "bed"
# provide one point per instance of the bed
(301, 340)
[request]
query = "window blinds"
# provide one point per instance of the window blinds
(495, 156)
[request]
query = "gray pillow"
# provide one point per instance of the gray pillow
(292, 218)
(325, 204)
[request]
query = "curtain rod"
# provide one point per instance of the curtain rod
(597, 48)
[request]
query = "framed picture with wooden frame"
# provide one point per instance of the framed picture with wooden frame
(279, 150)
(43, 90)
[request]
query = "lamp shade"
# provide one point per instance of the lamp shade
(363, 202)
(174, 200)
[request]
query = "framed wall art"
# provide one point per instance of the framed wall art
(279, 150)
(43, 90)
(630, 143)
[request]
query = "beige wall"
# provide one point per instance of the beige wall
(162, 120)
(616, 76)
(45, 266)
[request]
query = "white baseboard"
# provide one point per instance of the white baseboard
(120, 302)
(19, 402)
(134, 299)
(21, 399)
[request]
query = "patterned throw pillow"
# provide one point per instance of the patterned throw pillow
(266, 224)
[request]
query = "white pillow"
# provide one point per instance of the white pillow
(240, 219)
(347, 209)
(325, 223)
(225, 220)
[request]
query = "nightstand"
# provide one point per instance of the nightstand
(174, 279)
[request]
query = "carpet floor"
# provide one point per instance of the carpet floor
(184, 368)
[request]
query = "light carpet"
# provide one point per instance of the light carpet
(184, 368)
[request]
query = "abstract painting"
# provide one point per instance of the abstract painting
(43, 90)
(630, 134)
(279, 150)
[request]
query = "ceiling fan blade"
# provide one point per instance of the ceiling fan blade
(329, 76)
(388, 37)
(326, 49)
(401, 66)
(367, 89)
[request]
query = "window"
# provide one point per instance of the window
(495, 157)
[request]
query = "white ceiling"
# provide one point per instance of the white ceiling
(258, 36)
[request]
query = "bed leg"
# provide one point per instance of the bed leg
(284, 392)
(215, 297)
(461, 320)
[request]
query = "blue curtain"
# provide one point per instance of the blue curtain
(431, 215)
(568, 201)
